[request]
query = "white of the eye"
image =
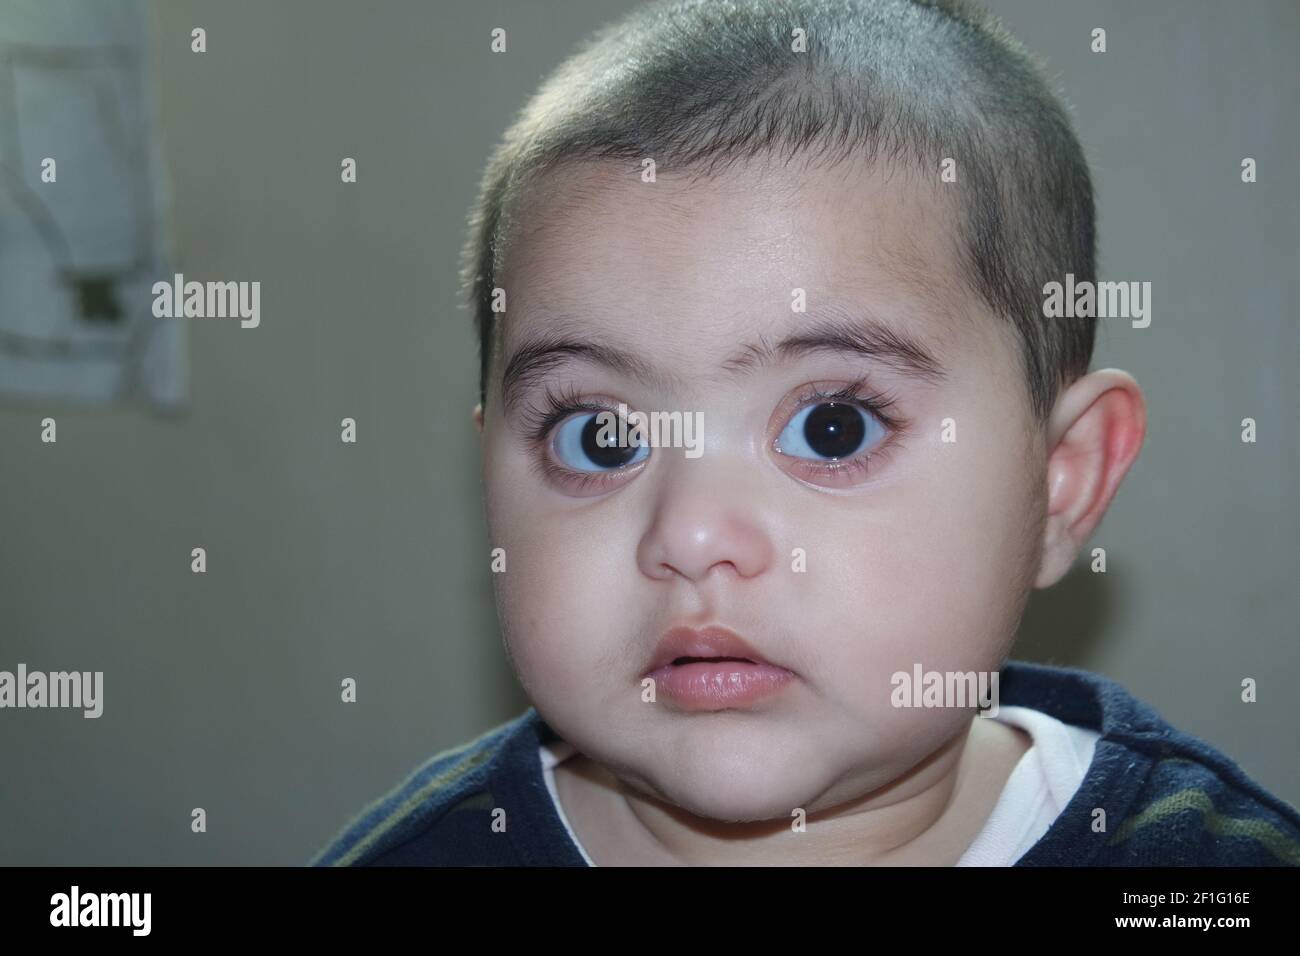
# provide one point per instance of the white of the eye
(568, 446)
(791, 441)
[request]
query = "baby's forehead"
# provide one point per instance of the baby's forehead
(759, 207)
(756, 247)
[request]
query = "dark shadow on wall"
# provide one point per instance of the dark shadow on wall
(1069, 623)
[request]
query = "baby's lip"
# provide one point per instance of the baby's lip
(713, 641)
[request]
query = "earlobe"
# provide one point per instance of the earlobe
(1094, 436)
(478, 417)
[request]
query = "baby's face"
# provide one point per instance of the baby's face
(842, 544)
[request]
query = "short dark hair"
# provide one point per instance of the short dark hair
(700, 84)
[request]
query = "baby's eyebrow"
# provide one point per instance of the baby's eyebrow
(539, 355)
(860, 334)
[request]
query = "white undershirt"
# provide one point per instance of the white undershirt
(1043, 781)
(556, 753)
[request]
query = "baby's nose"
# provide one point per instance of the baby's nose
(706, 517)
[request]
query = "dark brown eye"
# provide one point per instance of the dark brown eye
(593, 442)
(829, 431)
(604, 449)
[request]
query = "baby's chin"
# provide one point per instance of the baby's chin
(728, 776)
(738, 801)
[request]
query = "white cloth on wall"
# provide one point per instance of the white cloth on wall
(79, 255)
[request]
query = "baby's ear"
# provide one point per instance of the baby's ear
(1096, 432)
(478, 417)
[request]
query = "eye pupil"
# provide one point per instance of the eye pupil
(834, 429)
(604, 456)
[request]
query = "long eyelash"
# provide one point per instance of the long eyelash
(538, 422)
(556, 406)
(857, 393)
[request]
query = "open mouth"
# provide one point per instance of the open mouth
(684, 646)
(712, 668)
(696, 683)
(711, 660)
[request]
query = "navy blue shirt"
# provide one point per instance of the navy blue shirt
(1170, 799)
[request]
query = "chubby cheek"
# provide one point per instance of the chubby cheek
(564, 597)
(930, 571)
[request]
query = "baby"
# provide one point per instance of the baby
(821, 233)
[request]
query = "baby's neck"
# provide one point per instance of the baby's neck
(933, 818)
